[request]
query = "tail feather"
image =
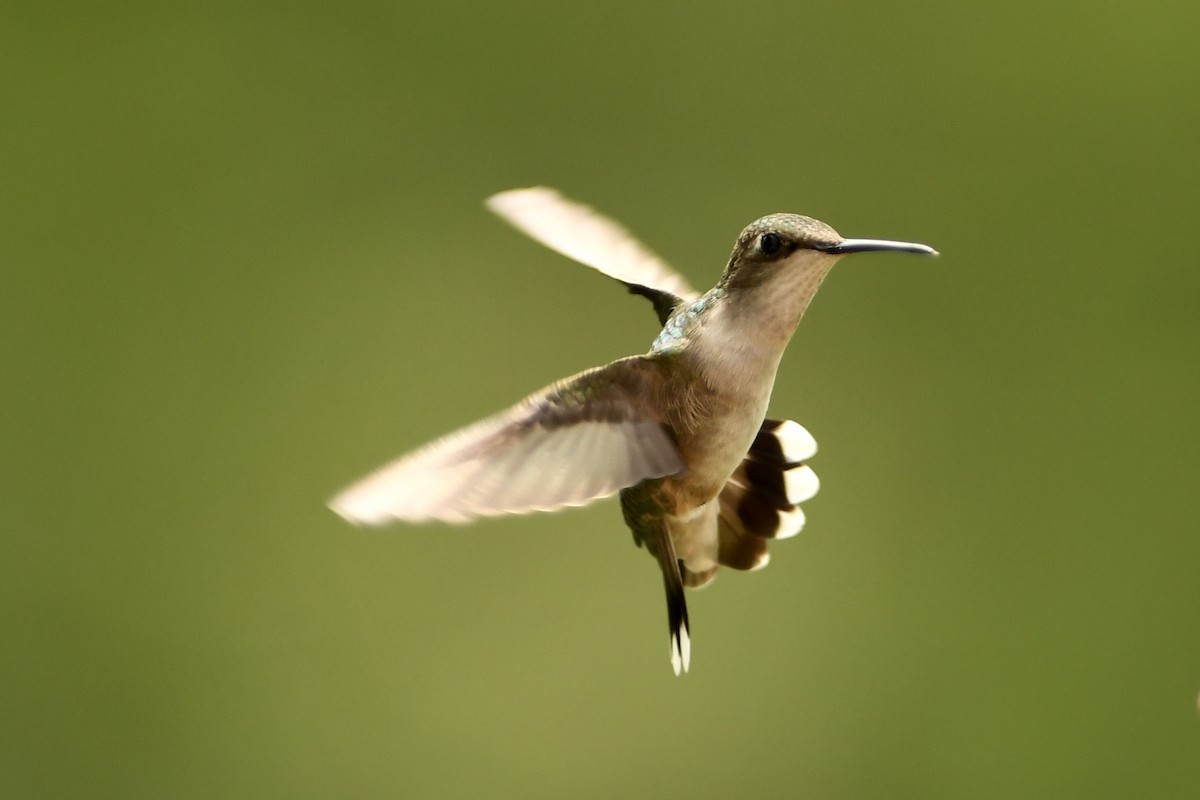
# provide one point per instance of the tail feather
(760, 501)
(781, 441)
(740, 550)
(677, 616)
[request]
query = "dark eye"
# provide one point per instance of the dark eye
(770, 243)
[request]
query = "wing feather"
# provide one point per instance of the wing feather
(583, 234)
(579, 440)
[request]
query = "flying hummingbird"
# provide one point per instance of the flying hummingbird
(705, 479)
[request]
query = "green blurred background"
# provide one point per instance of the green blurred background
(244, 260)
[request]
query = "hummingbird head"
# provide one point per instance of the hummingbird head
(796, 246)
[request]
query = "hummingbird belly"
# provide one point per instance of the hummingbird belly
(711, 452)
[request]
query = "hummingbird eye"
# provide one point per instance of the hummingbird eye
(770, 243)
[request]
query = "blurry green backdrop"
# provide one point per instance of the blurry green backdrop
(244, 260)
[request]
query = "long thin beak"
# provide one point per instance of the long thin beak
(866, 245)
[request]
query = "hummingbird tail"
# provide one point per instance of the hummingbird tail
(761, 500)
(677, 616)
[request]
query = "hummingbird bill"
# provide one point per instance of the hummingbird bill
(705, 479)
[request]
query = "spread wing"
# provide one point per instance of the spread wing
(578, 440)
(580, 233)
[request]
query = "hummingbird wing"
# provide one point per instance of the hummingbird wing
(585, 235)
(578, 440)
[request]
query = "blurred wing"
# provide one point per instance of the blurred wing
(580, 439)
(579, 232)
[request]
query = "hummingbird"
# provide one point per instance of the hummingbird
(681, 433)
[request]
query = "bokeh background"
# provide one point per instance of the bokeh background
(244, 260)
